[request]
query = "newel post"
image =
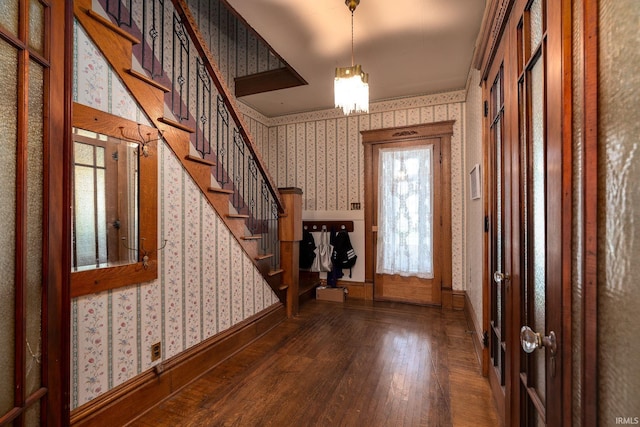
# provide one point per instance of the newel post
(290, 234)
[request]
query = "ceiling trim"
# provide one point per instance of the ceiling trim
(493, 24)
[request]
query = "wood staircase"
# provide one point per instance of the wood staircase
(116, 46)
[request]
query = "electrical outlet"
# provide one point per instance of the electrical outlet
(156, 351)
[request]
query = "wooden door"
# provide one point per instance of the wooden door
(33, 254)
(526, 212)
(405, 285)
(408, 286)
(499, 244)
(538, 300)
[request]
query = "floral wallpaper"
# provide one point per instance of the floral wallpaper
(474, 214)
(321, 152)
(206, 282)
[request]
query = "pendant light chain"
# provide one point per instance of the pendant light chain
(352, 61)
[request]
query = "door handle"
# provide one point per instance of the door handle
(499, 277)
(532, 341)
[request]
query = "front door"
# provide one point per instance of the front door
(526, 263)
(408, 203)
(407, 194)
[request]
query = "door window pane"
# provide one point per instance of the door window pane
(8, 138)
(34, 227)
(9, 15)
(36, 26)
(405, 213)
(538, 212)
(536, 20)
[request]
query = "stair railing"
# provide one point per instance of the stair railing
(177, 57)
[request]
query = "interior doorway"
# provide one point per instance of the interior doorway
(408, 212)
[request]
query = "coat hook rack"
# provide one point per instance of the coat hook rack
(328, 225)
(145, 253)
(141, 140)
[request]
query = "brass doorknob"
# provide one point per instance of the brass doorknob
(532, 341)
(499, 277)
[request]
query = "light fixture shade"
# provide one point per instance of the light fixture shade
(351, 90)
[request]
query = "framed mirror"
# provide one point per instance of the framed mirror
(104, 210)
(114, 202)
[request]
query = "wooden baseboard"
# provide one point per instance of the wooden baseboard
(470, 314)
(452, 299)
(130, 400)
(358, 290)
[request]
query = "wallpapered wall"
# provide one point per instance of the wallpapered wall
(321, 152)
(206, 282)
(474, 227)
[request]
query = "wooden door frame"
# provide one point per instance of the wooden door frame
(388, 136)
(58, 241)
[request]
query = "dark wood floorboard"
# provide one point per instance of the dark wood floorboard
(352, 364)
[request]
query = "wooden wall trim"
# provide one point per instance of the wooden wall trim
(566, 30)
(57, 358)
(453, 299)
(493, 24)
(407, 133)
(470, 314)
(357, 290)
(132, 399)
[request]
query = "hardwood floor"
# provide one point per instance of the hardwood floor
(352, 364)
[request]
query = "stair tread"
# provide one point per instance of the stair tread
(113, 27)
(148, 80)
(251, 237)
(197, 159)
(237, 216)
(175, 124)
(265, 256)
(220, 190)
(283, 287)
(275, 272)
(306, 285)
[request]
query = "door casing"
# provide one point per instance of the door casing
(405, 135)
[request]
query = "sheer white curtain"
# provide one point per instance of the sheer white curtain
(405, 213)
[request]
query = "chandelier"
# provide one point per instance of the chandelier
(351, 85)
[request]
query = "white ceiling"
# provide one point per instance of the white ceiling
(410, 47)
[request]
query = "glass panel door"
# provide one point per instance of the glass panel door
(25, 82)
(540, 187)
(497, 200)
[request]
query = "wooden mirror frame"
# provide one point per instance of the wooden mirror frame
(105, 278)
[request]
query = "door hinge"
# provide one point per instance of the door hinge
(115, 156)
(486, 224)
(485, 339)
(486, 108)
(441, 157)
